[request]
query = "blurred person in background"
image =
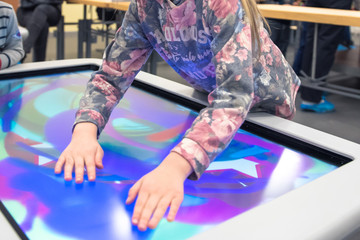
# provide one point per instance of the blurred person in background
(329, 37)
(37, 16)
(11, 48)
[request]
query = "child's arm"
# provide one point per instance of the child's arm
(244, 78)
(232, 98)
(210, 132)
(123, 59)
(13, 51)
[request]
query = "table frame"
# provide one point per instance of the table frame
(326, 208)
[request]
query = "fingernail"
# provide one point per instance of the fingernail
(142, 228)
(135, 221)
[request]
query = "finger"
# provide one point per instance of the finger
(159, 212)
(133, 192)
(79, 170)
(90, 168)
(98, 158)
(69, 165)
(147, 212)
(174, 207)
(139, 206)
(59, 164)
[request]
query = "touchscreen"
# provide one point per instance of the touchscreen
(36, 118)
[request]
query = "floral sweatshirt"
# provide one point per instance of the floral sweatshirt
(207, 42)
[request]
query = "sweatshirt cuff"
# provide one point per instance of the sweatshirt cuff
(4, 61)
(195, 155)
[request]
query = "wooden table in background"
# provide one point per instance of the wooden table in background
(311, 14)
(119, 5)
(84, 34)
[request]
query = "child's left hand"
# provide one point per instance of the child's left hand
(156, 191)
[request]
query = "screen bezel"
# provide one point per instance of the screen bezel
(262, 131)
(15, 226)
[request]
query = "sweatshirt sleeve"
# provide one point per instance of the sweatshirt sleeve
(122, 60)
(13, 51)
(230, 102)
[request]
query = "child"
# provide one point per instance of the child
(11, 49)
(209, 43)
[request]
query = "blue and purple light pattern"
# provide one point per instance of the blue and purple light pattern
(37, 114)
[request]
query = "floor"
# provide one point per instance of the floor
(344, 122)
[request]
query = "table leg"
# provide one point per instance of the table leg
(88, 38)
(80, 38)
(152, 63)
(60, 35)
(313, 62)
(84, 35)
(85, 17)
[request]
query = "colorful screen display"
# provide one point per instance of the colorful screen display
(37, 114)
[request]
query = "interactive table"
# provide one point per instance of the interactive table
(276, 180)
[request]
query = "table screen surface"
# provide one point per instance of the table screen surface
(37, 115)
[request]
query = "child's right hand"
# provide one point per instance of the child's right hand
(83, 151)
(159, 190)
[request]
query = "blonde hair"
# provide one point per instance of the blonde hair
(255, 19)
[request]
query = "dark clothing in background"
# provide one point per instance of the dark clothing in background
(280, 33)
(34, 3)
(280, 29)
(106, 14)
(37, 16)
(329, 36)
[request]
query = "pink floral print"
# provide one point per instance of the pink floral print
(222, 9)
(184, 15)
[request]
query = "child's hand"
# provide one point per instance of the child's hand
(156, 191)
(83, 151)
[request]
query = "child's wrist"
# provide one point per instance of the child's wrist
(87, 129)
(177, 164)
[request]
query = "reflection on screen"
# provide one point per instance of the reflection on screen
(37, 114)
